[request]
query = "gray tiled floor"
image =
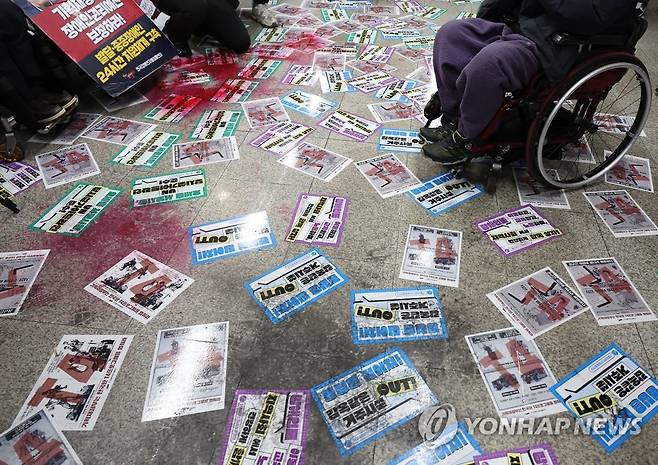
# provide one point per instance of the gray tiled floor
(315, 344)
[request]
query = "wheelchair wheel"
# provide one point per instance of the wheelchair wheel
(589, 121)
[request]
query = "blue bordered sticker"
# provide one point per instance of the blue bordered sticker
(234, 236)
(362, 404)
(445, 192)
(610, 395)
(289, 288)
(397, 315)
(399, 140)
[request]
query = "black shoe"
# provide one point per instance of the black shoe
(450, 151)
(61, 99)
(433, 109)
(441, 133)
(45, 112)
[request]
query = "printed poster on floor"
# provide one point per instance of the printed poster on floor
(259, 68)
(315, 161)
(364, 403)
(307, 104)
(77, 380)
(215, 124)
(396, 91)
(391, 111)
(382, 316)
(300, 75)
(610, 395)
(147, 150)
(318, 220)
(632, 172)
(455, 446)
(325, 61)
(65, 165)
(118, 130)
(366, 67)
(611, 295)
(113, 41)
(362, 37)
(111, 104)
(18, 271)
(188, 374)
(538, 303)
(445, 192)
(281, 138)
(432, 255)
(534, 192)
(372, 81)
(17, 176)
(267, 426)
(37, 440)
(516, 230)
(615, 124)
(264, 112)
(78, 124)
(294, 285)
(76, 210)
(379, 54)
(167, 188)
(515, 373)
(621, 214)
(538, 454)
(205, 152)
(336, 81)
(139, 286)
(234, 91)
(173, 108)
(222, 239)
(387, 175)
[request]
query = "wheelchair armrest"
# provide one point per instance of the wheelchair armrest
(610, 40)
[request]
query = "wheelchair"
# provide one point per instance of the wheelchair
(572, 132)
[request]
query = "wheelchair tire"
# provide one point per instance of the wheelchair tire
(568, 114)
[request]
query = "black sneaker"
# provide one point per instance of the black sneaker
(45, 112)
(450, 151)
(61, 99)
(441, 133)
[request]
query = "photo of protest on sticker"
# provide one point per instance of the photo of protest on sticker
(215, 124)
(167, 188)
(76, 210)
(516, 230)
(432, 255)
(139, 286)
(363, 403)
(610, 395)
(117, 130)
(222, 239)
(65, 165)
(387, 175)
(621, 214)
(534, 192)
(318, 220)
(188, 373)
(609, 292)
(205, 152)
(515, 373)
(538, 303)
(17, 443)
(632, 172)
(273, 422)
(264, 112)
(77, 380)
(294, 285)
(315, 161)
(397, 315)
(445, 192)
(18, 272)
(147, 150)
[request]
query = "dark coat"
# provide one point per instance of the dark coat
(540, 20)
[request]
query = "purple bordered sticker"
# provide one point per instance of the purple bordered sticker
(318, 220)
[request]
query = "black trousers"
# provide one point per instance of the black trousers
(217, 18)
(19, 69)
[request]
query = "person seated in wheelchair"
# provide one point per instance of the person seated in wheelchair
(24, 90)
(478, 61)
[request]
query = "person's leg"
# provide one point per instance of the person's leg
(456, 44)
(185, 17)
(224, 24)
(503, 66)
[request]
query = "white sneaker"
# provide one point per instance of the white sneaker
(261, 14)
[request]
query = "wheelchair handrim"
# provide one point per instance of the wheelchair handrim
(628, 141)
